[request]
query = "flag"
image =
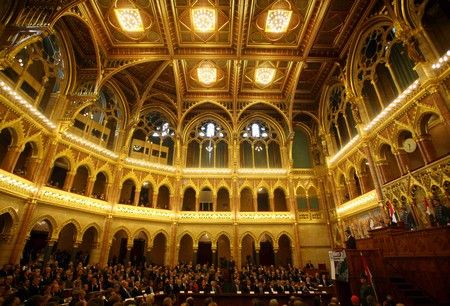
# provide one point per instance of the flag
(427, 206)
(367, 272)
(391, 212)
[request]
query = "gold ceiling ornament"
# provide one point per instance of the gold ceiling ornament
(277, 19)
(265, 74)
(204, 19)
(206, 73)
(130, 19)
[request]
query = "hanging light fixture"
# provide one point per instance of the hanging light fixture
(278, 19)
(129, 19)
(265, 75)
(204, 19)
(207, 73)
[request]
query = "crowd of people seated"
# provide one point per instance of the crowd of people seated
(39, 283)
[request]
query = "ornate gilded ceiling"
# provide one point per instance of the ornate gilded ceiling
(158, 65)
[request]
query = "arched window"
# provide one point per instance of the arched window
(206, 199)
(262, 199)
(341, 123)
(279, 200)
(313, 199)
(382, 69)
(127, 192)
(388, 164)
(163, 200)
(101, 121)
(146, 195)
(80, 180)
(153, 139)
(302, 201)
(223, 200)
(207, 146)
(189, 199)
(246, 200)
(260, 146)
(300, 149)
(59, 172)
(99, 189)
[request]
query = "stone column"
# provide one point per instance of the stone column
(11, 157)
(45, 167)
(381, 166)
(172, 205)
(171, 252)
(326, 208)
(271, 203)
(32, 167)
(363, 177)
(351, 189)
(23, 227)
(194, 255)
(117, 196)
(105, 242)
(275, 255)
(214, 202)
(426, 148)
(402, 160)
(73, 256)
(170, 259)
(108, 192)
(127, 257)
(150, 197)
(155, 200)
(148, 255)
(256, 259)
(376, 179)
(214, 255)
(296, 256)
(373, 172)
(68, 181)
(239, 258)
(137, 194)
(90, 186)
(49, 249)
(236, 247)
(94, 254)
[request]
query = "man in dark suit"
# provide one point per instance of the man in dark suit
(168, 287)
(350, 243)
(124, 290)
(137, 289)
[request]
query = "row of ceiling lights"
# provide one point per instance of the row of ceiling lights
(204, 20)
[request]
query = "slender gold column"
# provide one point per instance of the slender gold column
(30, 207)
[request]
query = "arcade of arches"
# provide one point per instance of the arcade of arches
(161, 139)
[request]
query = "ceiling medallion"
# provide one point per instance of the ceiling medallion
(265, 74)
(129, 19)
(204, 19)
(206, 73)
(278, 19)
